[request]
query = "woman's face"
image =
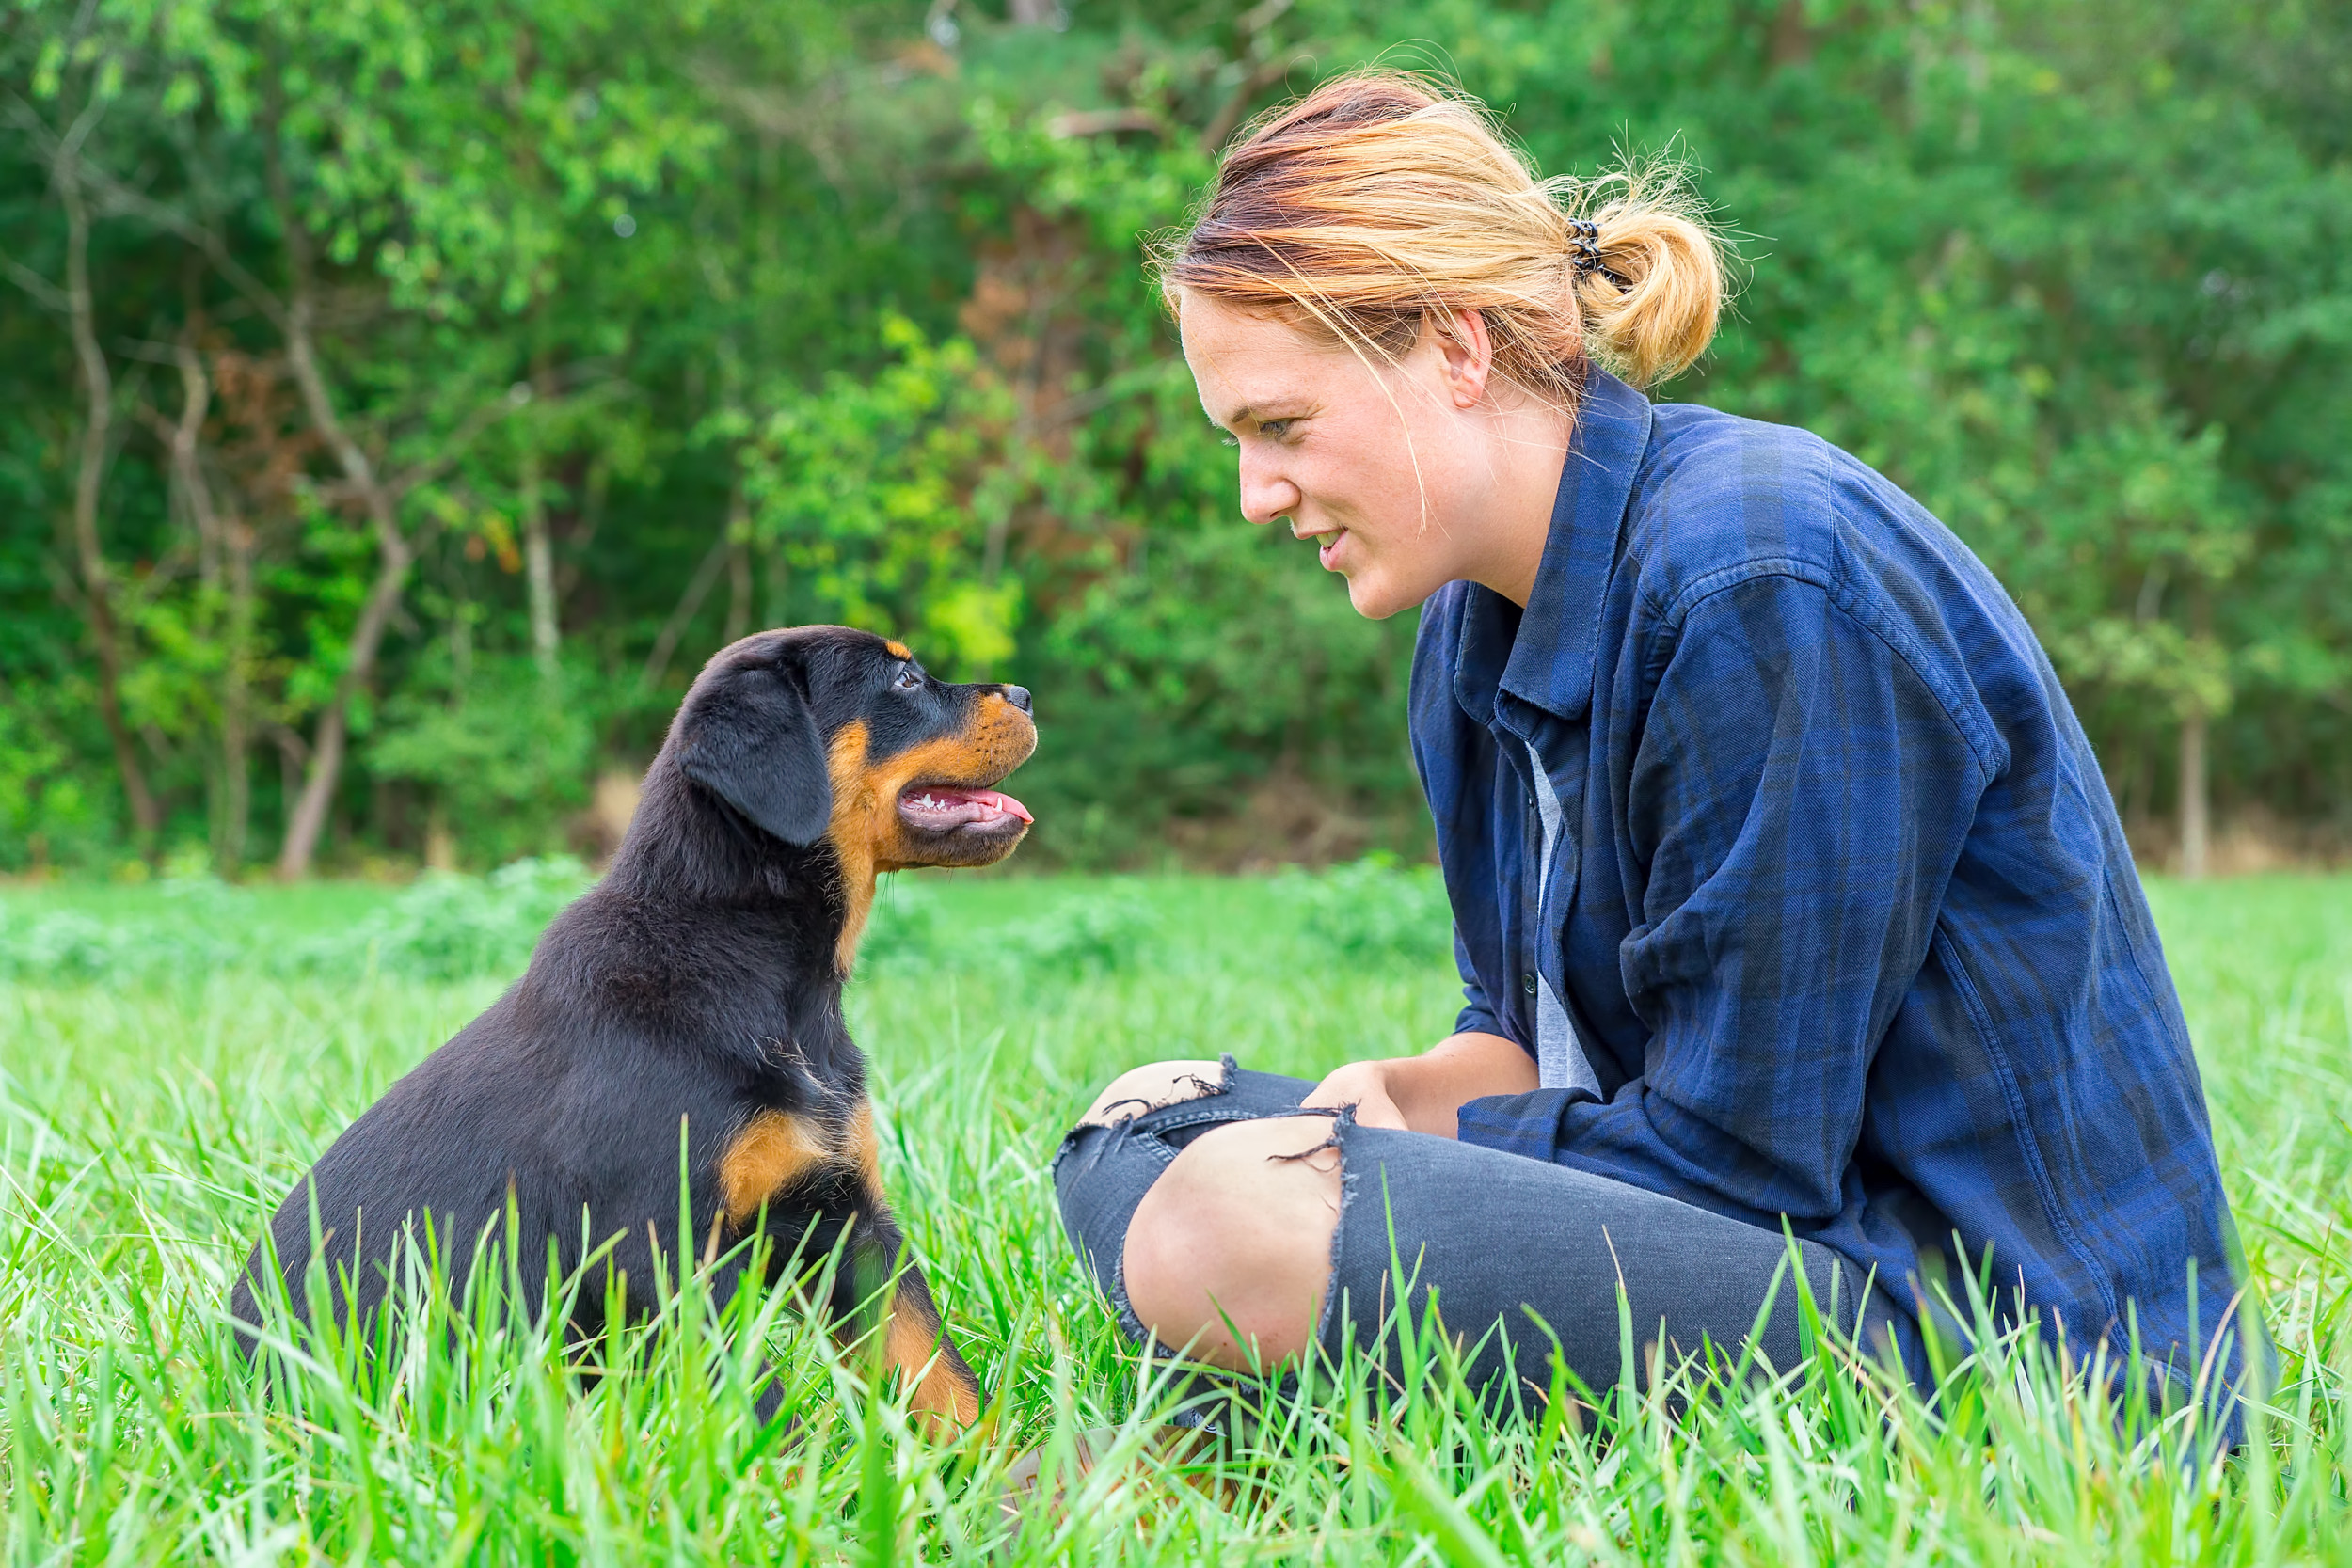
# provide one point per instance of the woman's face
(1381, 466)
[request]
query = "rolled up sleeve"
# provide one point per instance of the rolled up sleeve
(1477, 1014)
(1801, 795)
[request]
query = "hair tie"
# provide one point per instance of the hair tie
(1584, 251)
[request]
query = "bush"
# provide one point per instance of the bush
(505, 754)
(449, 926)
(1096, 932)
(902, 930)
(65, 946)
(443, 927)
(1371, 911)
(57, 945)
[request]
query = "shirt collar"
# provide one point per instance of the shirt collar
(1544, 655)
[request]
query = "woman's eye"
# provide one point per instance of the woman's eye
(1274, 430)
(908, 680)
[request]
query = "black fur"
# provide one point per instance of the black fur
(697, 984)
(760, 752)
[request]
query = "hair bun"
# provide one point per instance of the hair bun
(1651, 301)
(1384, 196)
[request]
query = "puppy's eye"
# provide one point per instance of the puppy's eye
(909, 678)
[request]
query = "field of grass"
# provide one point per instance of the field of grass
(171, 1058)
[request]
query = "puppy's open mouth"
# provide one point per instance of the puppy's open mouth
(943, 808)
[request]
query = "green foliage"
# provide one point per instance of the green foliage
(1105, 929)
(731, 314)
(1371, 913)
(450, 926)
(507, 752)
(877, 496)
(445, 927)
(146, 1133)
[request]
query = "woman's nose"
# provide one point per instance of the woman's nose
(1266, 497)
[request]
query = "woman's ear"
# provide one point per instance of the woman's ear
(1465, 355)
(760, 752)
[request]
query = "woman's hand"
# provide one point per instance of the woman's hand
(1364, 1086)
(1423, 1093)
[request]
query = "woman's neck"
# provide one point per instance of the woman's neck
(1528, 445)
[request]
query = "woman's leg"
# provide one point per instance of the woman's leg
(1228, 1211)
(1230, 1252)
(1135, 1130)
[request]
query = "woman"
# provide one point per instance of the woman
(1786, 890)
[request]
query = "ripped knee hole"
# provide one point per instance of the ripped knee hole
(1106, 1112)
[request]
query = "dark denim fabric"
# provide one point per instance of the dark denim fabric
(1841, 911)
(1493, 1237)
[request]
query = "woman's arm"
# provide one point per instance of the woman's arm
(1798, 799)
(1423, 1093)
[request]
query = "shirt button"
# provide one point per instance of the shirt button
(1527, 982)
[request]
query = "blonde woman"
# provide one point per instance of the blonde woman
(1786, 891)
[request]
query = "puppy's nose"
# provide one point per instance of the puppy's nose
(1018, 696)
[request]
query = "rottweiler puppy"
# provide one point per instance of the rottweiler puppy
(695, 994)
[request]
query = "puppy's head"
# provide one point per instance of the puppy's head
(821, 733)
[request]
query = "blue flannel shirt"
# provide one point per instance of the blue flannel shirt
(1841, 911)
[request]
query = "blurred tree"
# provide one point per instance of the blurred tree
(442, 382)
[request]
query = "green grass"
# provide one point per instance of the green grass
(152, 1115)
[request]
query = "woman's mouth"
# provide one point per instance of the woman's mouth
(1327, 545)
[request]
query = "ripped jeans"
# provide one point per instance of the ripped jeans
(1496, 1237)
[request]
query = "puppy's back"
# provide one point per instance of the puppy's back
(537, 1103)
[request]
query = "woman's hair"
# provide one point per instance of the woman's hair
(1384, 196)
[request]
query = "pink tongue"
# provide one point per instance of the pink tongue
(993, 800)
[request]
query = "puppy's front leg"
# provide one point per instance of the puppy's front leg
(939, 1383)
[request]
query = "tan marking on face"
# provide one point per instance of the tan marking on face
(867, 832)
(900, 650)
(772, 1153)
(853, 835)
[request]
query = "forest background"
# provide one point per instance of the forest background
(399, 398)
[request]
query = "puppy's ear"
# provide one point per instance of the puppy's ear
(761, 754)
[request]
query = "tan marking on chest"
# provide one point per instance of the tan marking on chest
(863, 1148)
(772, 1153)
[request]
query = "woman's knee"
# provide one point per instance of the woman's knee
(1230, 1251)
(1151, 1087)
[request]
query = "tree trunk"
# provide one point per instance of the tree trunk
(90, 558)
(779, 575)
(1792, 40)
(308, 819)
(236, 716)
(738, 623)
(2194, 823)
(394, 552)
(538, 553)
(225, 554)
(689, 603)
(2196, 763)
(538, 563)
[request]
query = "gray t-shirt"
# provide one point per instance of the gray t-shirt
(1560, 1062)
